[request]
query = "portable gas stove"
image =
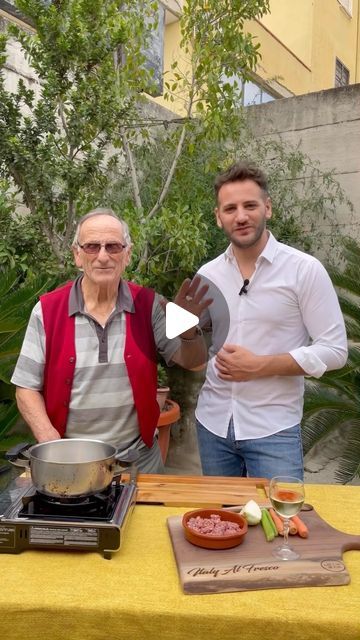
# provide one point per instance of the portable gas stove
(29, 520)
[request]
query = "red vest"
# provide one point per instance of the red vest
(139, 354)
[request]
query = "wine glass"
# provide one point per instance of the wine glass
(287, 496)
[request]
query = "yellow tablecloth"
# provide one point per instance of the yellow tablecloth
(137, 595)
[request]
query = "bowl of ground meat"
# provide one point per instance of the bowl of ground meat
(214, 528)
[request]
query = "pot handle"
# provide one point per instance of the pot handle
(19, 455)
(127, 460)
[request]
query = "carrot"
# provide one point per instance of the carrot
(303, 531)
(277, 521)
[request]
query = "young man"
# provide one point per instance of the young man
(285, 324)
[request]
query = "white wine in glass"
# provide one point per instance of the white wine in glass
(287, 496)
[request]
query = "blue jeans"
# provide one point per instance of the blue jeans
(278, 454)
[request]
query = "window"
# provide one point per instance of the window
(342, 74)
(347, 4)
(248, 92)
(154, 53)
(255, 94)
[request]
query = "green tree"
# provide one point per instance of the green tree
(60, 146)
(305, 201)
(332, 402)
(53, 140)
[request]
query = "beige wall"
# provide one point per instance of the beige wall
(335, 36)
(301, 39)
(279, 64)
(173, 53)
(292, 23)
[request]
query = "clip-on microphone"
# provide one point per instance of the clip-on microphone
(244, 287)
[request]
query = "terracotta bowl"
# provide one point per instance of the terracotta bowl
(210, 541)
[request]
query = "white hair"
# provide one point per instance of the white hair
(102, 211)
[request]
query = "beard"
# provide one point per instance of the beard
(251, 240)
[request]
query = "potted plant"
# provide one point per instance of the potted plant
(163, 389)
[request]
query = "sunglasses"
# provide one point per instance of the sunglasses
(95, 247)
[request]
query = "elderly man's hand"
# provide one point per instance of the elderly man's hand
(191, 296)
(234, 363)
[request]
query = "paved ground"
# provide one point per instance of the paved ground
(183, 457)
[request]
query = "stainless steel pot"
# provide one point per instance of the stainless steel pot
(71, 468)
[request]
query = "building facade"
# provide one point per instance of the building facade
(306, 46)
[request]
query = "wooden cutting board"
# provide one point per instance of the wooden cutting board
(200, 491)
(251, 565)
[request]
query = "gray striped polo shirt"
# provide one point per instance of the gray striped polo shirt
(101, 403)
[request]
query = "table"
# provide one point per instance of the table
(137, 595)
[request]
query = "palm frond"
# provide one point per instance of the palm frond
(17, 303)
(8, 281)
(346, 282)
(349, 306)
(8, 417)
(321, 424)
(349, 462)
(332, 403)
(17, 300)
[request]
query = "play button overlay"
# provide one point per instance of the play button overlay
(178, 320)
(173, 320)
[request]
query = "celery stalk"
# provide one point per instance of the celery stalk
(266, 523)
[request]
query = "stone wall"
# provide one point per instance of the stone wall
(326, 124)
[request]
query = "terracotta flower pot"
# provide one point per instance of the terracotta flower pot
(161, 396)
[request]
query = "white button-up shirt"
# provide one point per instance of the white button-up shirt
(290, 307)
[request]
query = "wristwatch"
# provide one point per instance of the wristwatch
(198, 332)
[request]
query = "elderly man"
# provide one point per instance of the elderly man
(87, 368)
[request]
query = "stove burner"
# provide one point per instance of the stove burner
(99, 506)
(72, 501)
